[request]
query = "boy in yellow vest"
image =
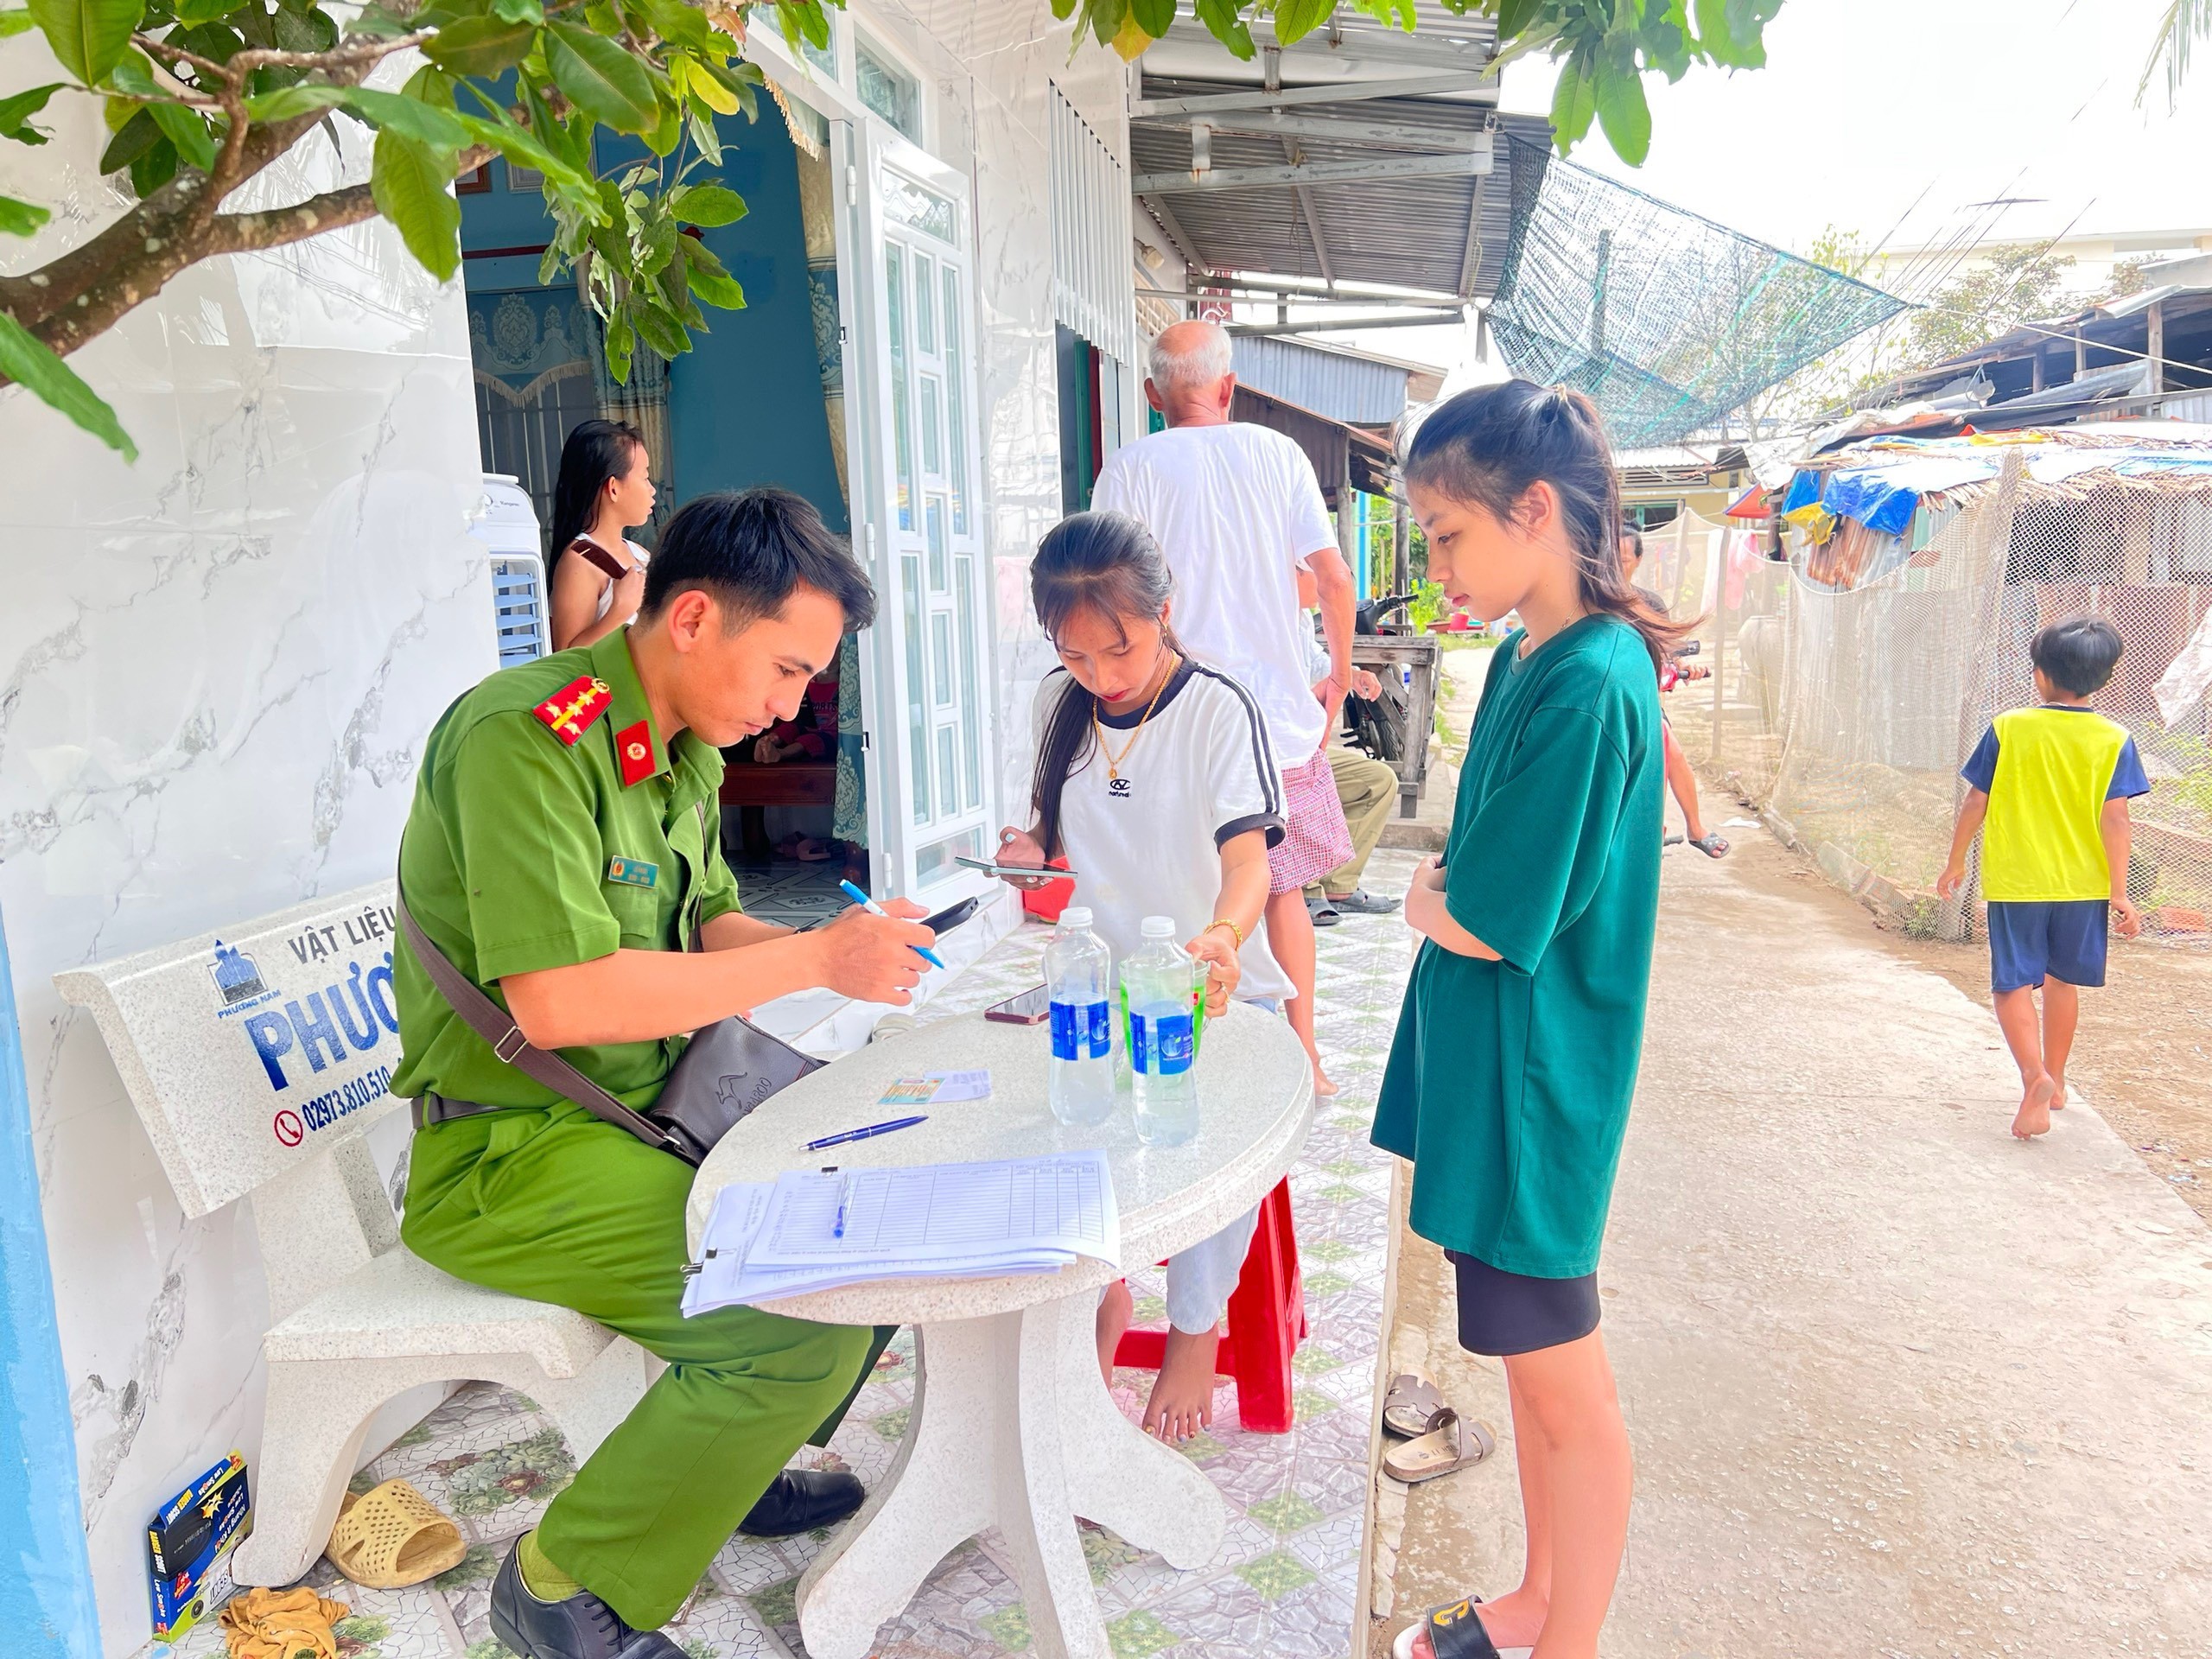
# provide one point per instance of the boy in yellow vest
(2050, 792)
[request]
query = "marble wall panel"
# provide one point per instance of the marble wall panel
(217, 666)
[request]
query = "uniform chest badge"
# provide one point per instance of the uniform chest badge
(632, 872)
(633, 748)
(570, 712)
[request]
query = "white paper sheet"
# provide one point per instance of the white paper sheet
(942, 1211)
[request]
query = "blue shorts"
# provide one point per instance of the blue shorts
(2062, 939)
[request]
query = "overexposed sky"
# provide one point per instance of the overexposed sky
(1894, 117)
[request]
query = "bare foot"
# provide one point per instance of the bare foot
(1182, 1400)
(2034, 1118)
(2058, 1091)
(1116, 1310)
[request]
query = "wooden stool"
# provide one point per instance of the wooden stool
(1267, 1321)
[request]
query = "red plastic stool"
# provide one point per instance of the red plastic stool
(1267, 1321)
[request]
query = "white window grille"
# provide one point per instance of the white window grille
(518, 601)
(1093, 292)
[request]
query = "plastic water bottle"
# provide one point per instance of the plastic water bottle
(1078, 975)
(1156, 995)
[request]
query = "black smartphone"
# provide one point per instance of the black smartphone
(1032, 1008)
(951, 916)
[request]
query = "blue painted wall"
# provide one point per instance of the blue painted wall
(46, 1582)
(744, 404)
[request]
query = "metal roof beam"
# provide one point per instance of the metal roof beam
(1345, 92)
(1176, 233)
(1267, 124)
(1442, 320)
(1233, 178)
(1470, 257)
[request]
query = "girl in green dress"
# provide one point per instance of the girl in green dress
(1509, 1081)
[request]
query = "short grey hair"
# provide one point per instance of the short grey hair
(1202, 366)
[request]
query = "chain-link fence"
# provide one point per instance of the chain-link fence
(1844, 716)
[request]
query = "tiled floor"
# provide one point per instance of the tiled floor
(1284, 1583)
(792, 892)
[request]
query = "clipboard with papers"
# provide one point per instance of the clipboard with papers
(818, 1230)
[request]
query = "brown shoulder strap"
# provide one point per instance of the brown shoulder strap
(594, 554)
(492, 1023)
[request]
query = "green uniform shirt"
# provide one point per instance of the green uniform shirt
(513, 851)
(1508, 1082)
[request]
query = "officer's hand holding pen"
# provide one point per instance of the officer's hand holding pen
(873, 958)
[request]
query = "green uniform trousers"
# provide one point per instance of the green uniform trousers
(560, 1207)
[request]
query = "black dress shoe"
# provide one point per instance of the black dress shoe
(582, 1627)
(1360, 902)
(799, 1500)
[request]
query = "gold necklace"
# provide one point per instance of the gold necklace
(1113, 760)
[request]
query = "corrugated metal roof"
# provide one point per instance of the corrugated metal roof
(1341, 385)
(1403, 232)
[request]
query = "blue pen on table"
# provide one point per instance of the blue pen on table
(863, 1134)
(844, 1202)
(875, 909)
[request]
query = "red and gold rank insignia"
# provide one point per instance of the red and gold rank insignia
(633, 748)
(570, 712)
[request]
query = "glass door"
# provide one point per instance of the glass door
(926, 663)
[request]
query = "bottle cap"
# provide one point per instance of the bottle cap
(1076, 915)
(1158, 927)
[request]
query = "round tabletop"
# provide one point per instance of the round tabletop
(1256, 1102)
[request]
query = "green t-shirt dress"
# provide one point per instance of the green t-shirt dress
(1508, 1082)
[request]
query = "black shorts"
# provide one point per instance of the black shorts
(1502, 1313)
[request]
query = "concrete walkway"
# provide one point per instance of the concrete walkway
(1899, 1385)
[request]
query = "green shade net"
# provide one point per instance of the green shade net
(1666, 319)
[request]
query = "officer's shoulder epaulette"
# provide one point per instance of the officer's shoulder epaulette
(570, 712)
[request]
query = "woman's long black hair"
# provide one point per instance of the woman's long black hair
(595, 451)
(1102, 562)
(1490, 444)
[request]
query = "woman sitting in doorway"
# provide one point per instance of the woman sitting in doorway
(598, 575)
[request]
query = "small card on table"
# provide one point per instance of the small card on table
(935, 1088)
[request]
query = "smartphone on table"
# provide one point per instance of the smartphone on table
(990, 867)
(1033, 1007)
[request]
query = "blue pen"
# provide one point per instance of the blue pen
(875, 909)
(845, 1199)
(862, 1134)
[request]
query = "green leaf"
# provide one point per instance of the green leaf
(1296, 19)
(1514, 17)
(191, 13)
(411, 117)
(704, 138)
(479, 46)
(16, 112)
(706, 277)
(660, 331)
(518, 11)
(1155, 17)
(303, 31)
(1622, 110)
(133, 139)
(707, 205)
(679, 24)
(27, 361)
(518, 145)
(601, 78)
(1224, 22)
(155, 168)
(288, 102)
(16, 22)
(1063, 10)
(667, 129)
(741, 79)
(88, 36)
(375, 23)
(188, 130)
(1574, 103)
(620, 341)
(411, 182)
(21, 218)
(132, 76)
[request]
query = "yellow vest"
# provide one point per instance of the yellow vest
(2042, 841)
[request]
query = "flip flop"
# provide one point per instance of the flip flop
(1454, 1443)
(1454, 1632)
(391, 1536)
(1712, 846)
(1410, 1407)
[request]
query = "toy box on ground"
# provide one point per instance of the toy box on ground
(189, 1548)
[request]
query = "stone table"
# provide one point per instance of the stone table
(1012, 1424)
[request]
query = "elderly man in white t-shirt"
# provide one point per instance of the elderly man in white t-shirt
(1236, 510)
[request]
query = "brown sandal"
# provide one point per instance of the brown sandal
(1409, 1409)
(1454, 1443)
(391, 1536)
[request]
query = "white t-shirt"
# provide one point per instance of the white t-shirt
(1148, 842)
(1236, 510)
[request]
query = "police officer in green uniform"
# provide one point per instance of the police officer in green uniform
(562, 846)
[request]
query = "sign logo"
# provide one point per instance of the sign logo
(237, 976)
(288, 1128)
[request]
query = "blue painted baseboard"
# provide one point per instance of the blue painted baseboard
(45, 1580)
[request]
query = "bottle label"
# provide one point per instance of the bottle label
(1100, 1035)
(1160, 1044)
(1080, 1031)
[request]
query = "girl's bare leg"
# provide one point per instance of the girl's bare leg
(1116, 1309)
(1682, 781)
